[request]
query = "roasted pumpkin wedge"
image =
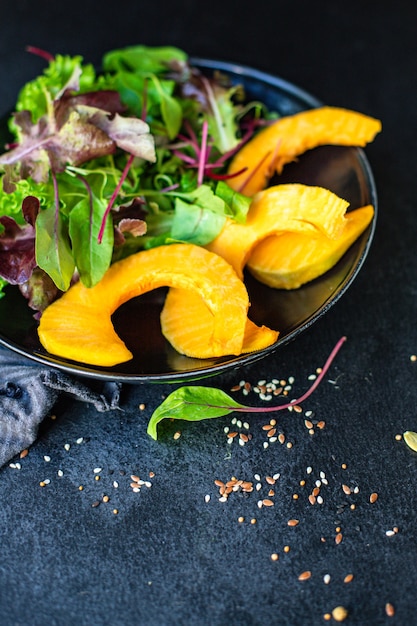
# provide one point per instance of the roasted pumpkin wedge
(188, 324)
(78, 326)
(290, 260)
(292, 207)
(290, 136)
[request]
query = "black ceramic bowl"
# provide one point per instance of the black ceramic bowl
(345, 171)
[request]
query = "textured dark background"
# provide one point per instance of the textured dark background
(169, 557)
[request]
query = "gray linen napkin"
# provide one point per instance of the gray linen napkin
(29, 390)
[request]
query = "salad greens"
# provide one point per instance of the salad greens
(103, 164)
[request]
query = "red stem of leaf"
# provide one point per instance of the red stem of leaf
(114, 196)
(281, 407)
(203, 153)
(40, 53)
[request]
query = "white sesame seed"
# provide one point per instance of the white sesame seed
(148, 484)
(291, 380)
(258, 486)
(325, 481)
(265, 444)
(136, 489)
(390, 533)
(308, 413)
(239, 423)
(261, 382)
(312, 377)
(309, 470)
(260, 504)
(222, 499)
(245, 392)
(67, 446)
(276, 476)
(356, 490)
(257, 477)
(46, 458)
(115, 484)
(275, 381)
(12, 465)
(47, 481)
(60, 472)
(322, 475)
(79, 440)
(319, 500)
(326, 579)
(318, 483)
(207, 498)
(234, 420)
(97, 470)
(241, 442)
(246, 425)
(230, 440)
(226, 429)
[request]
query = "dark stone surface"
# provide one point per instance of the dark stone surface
(169, 557)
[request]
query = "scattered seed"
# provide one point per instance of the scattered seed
(141, 406)
(60, 473)
(327, 616)
(348, 578)
(373, 498)
(326, 579)
(207, 498)
(253, 520)
(398, 437)
(24, 453)
(304, 575)
(115, 511)
(339, 613)
(389, 609)
(95, 504)
(106, 498)
(267, 502)
(177, 434)
(274, 556)
(241, 519)
(293, 522)
(390, 533)
(338, 538)
(79, 440)
(97, 470)
(346, 490)
(67, 446)
(287, 549)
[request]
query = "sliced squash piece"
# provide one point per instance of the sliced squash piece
(78, 326)
(290, 136)
(188, 324)
(292, 207)
(289, 260)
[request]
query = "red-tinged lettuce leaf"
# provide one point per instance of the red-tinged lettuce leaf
(40, 290)
(74, 132)
(17, 251)
(135, 227)
(129, 133)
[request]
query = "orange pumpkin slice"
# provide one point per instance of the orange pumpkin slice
(292, 135)
(78, 326)
(290, 260)
(188, 324)
(292, 207)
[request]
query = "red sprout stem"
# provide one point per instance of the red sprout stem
(203, 153)
(40, 53)
(114, 196)
(309, 391)
(281, 407)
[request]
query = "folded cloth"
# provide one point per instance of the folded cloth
(29, 390)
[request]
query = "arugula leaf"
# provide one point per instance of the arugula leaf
(192, 404)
